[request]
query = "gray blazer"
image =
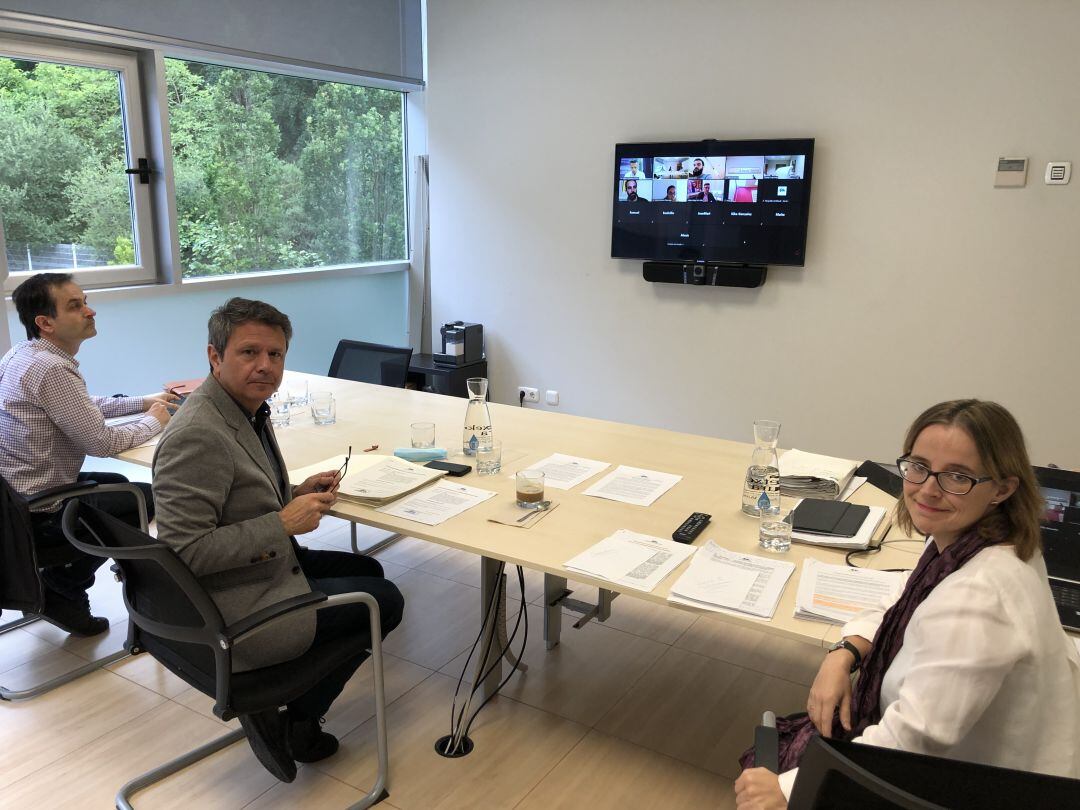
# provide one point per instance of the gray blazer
(217, 504)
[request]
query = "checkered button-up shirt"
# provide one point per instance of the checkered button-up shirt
(49, 424)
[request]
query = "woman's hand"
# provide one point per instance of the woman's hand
(831, 688)
(759, 789)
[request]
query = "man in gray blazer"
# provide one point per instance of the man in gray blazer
(225, 505)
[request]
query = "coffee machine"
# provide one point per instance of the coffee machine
(462, 344)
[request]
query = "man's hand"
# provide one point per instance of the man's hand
(320, 482)
(303, 513)
(165, 397)
(160, 411)
(759, 789)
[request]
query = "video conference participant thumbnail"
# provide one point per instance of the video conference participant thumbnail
(670, 191)
(633, 191)
(744, 167)
(632, 168)
(784, 167)
(702, 190)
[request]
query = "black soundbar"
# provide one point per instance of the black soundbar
(705, 275)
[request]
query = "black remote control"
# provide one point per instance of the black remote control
(691, 528)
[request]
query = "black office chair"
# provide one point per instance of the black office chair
(21, 587)
(179, 625)
(852, 776)
(371, 363)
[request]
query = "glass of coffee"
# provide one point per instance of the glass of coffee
(530, 489)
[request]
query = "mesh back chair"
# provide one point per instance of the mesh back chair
(21, 587)
(180, 626)
(852, 776)
(371, 363)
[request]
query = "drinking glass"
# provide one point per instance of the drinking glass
(530, 489)
(279, 409)
(774, 527)
(323, 408)
(489, 458)
(297, 390)
(423, 434)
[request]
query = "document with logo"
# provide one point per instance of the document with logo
(633, 485)
(566, 472)
(437, 503)
(836, 593)
(635, 560)
(729, 582)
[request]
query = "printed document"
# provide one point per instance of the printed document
(725, 581)
(635, 560)
(836, 593)
(381, 483)
(634, 486)
(565, 472)
(437, 503)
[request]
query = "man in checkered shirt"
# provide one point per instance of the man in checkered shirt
(48, 425)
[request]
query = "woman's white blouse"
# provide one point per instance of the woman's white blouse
(985, 674)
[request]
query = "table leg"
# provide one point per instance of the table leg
(491, 572)
(554, 592)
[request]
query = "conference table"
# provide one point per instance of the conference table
(712, 471)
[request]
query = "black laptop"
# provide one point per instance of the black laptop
(1061, 540)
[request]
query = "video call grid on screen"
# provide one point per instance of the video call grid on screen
(702, 202)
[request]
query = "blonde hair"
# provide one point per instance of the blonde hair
(1000, 445)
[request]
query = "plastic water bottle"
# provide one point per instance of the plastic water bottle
(477, 431)
(761, 488)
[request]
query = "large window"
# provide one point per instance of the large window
(275, 172)
(66, 200)
(270, 172)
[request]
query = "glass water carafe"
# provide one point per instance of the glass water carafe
(477, 431)
(761, 489)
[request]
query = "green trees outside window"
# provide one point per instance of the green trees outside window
(271, 172)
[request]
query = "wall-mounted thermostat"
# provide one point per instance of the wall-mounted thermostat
(1058, 172)
(1011, 172)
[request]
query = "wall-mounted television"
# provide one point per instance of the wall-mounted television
(730, 202)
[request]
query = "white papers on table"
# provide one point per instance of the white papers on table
(565, 472)
(437, 503)
(720, 580)
(861, 538)
(635, 560)
(835, 593)
(856, 482)
(390, 478)
(808, 474)
(632, 485)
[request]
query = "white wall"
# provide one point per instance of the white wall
(922, 281)
(150, 335)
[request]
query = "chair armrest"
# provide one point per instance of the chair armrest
(272, 612)
(63, 491)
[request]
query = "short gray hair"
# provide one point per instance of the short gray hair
(238, 311)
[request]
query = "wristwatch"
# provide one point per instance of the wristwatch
(844, 644)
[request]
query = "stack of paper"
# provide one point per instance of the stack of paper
(633, 485)
(836, 593)
(861, 539)
(565, 472)
(385, 481)
(807, 475)
(437, 503)
(635, 560)
(720, 580)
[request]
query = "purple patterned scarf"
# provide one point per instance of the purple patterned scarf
(796, 730)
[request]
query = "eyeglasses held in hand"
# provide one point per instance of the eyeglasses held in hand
(954, 483)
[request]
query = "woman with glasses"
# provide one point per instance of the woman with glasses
(968, 658)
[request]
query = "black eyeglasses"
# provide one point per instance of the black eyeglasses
(952, 482)
(344, 467)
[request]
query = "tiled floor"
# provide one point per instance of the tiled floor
(649, 709)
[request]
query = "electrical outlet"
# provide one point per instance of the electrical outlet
(552, 397)
(531, 394)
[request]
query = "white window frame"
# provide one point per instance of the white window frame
(125, 63)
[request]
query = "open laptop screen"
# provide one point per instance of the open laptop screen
(1061, 522)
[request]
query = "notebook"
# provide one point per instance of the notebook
(1061, 540)
(836, 518)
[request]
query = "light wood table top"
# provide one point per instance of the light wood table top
(712, 470)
